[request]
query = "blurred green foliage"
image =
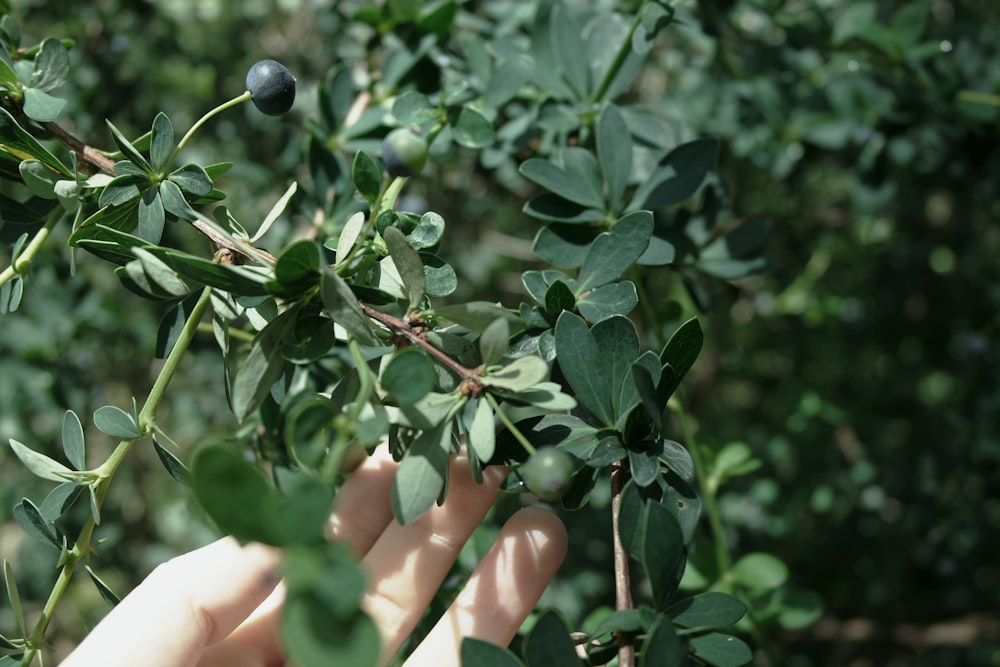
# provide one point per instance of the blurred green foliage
(862, 370)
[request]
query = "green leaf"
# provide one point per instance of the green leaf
(72, 440)
(440, 278)
(662, 646)
(51, 65)
(408, 264)
(367, 176)
(721, 650)
(564, 245)
(239, 280)
(580, 360)
(130, 152)
(103, 589)
(59, 500)
(481, 653)
(161, 147)
(631, 517)
(160, 274)
(570, 51)
(683, 502)
(315, 636)
(175, 468)
(18, 142)
(623, 620)
(608, 300)
(32, 521)
(482, 433)
(494, 341)
(559, 297)
(39, 464)
(192, 178)
(14, 597)
(553, 178)
(116, 422)
(645, 467)
(618, 342)
(151, 216)
(422, 474)
(42, 107)
(39, 179)
(262, 366)
(121, 190)
(708, 610)
(508, 79)
(613, 252)
(349, 236)
(760, 572)
(520, 374)
(677, 459)
(344, 308)
(409, 376)
(428, 231)
(298, 267)
(556, 209)
(8, 77)
(548, 644)
(413, 108)
(231, 490)
(472, 129)
(174, 202)
(677, 176)
(614, 151)
(478, 315)
(663, 554)
(681, 351)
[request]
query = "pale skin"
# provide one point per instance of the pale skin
(219, 606)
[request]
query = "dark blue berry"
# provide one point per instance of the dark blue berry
(272, 87)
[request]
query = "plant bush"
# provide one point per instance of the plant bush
(568, 325)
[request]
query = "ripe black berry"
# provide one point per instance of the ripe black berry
(404, 152)
(272, 87)
(548, 473)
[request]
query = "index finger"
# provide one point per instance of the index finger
(184, 605)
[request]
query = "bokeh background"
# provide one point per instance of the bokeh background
(861, 369)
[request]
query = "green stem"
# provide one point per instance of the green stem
(106, 471)
(623, 52)
(19, 265)
(709, 490)
(514, 430)
(386, 199)
(239, 99)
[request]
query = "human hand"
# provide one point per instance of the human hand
(219, 606)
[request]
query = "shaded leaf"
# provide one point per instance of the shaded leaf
(481, 653)
(174, 466)
(408, 264)
(548, 644)
(344, 308)
(409, 376)
(607, 301)
(553, 178)
(103, 589)
(262, 366)
(580, 361)
(760, 571)
(663, 554)
(161, 146)
(613, 252)
(681, 351)
(472, 129)
(367, 176)
(707, 610)
(30, 518)
(721, 650)
(421, 476)
(494, 341)
(520, 374)
(614, 151)
(662, 646)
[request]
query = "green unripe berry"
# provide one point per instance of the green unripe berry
(272, 87)
(548, 473)
(404, 152)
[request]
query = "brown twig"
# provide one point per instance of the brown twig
(88, 154)
(623, 587)
(97, 160)
(469, 376)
